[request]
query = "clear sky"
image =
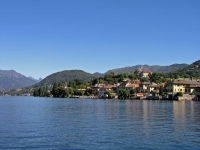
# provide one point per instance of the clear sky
(41, 37)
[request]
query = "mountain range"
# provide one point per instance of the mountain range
(70, 75)
(191, 70)
(154, 68)
(10, 79)
(13, 80)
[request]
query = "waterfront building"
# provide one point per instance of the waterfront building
(95, 88)
(103, 89)
(128, 85)
(143, 86)
(184, 85)
(154, 88)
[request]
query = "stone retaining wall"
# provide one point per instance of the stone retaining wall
(186, 97)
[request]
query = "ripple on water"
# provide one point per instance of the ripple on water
(47, 123)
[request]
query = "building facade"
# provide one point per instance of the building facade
(184, 85)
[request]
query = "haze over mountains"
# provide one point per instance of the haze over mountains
(10, 79)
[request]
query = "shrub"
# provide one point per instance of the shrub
(179, 94)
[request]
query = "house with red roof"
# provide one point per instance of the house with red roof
(95, 88)
(145, 73)
(128, 85)
(103, 89)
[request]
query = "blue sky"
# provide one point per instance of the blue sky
(41, 37)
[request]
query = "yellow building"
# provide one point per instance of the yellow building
(184, 85)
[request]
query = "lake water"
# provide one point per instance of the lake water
(47, 123)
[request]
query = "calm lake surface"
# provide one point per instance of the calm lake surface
(47, 123)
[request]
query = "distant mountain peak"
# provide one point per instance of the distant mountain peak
(32, 78)
(40, 79)
(10, 79)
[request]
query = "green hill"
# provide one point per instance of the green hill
(67, 75)
(192, 70)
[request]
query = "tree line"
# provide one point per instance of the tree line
(77, 87)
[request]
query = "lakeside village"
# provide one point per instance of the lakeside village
(138, 85)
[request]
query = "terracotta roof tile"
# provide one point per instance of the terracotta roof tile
(146, 71)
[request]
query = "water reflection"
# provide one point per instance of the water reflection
(104, 124)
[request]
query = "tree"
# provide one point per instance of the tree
(70, 91)
(109, 75)
(125, 75)
(132, 91)
(77, 81)
(110, 78)
(123, 94)
(79, 92)
(40, 92)
(157, 77)
(161, 90)
(61, 90)
(36, 93)
(88, 92)
(65, 92)
(186, 76)
(121, 77)
(55, 90)
(132, 76)
(46, 89)
(70, 84)
(176, 76)
(179, 94)
(110, 93)
(144, 79)
(136, 73)
(82, 86)
(153, 77)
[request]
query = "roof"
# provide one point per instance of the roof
(146, 71)
(155, 85)
(130, 83)
(108, 87)
(145, 83)
(185, 81)
(135, 81)
(98, 85)
(123, 84)
(155, 91)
